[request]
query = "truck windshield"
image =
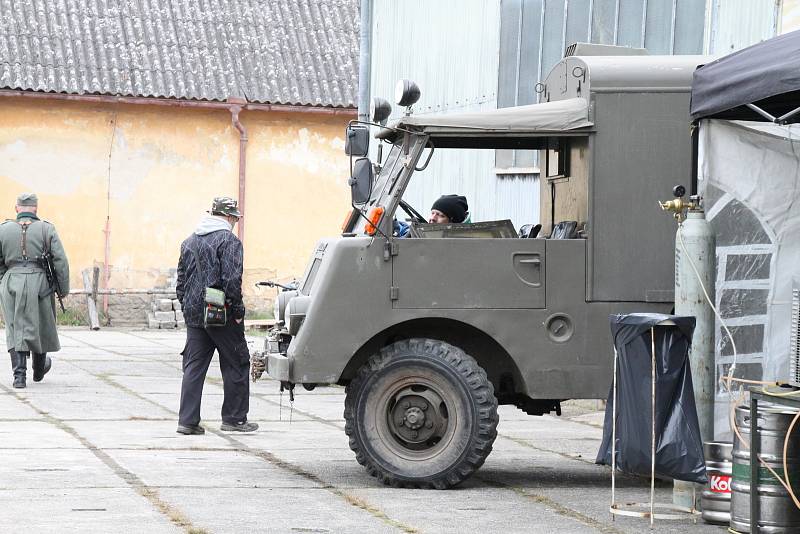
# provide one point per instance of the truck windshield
(385, 180)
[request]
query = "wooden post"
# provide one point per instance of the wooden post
(95, 282)
(91, 303)
(95, 286)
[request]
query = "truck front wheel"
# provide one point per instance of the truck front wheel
(421, 413)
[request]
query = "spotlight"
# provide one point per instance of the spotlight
(406, 93)
(379, 110)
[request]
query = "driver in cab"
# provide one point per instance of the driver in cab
(447, 209)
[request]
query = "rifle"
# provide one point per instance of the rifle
(45, 261)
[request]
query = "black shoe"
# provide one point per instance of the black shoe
(188, 430)
(19, 382)
(41, 365)
(242, 426)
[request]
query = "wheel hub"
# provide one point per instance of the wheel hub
(414, 418)
(417, 417)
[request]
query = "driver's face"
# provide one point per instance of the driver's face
(437, 217)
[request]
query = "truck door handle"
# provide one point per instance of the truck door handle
(534, 261)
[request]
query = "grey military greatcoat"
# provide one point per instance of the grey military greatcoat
(28, 303)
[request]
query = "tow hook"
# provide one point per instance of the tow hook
(288, 386)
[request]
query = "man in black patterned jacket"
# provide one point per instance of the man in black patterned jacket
(212, 257)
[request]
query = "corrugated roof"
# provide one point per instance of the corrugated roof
(299, 52)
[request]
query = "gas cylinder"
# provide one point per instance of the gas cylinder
(695, 269)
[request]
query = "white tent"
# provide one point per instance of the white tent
(749, 174)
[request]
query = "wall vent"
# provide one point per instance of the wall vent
(794, 347)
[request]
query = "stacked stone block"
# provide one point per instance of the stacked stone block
(166, 314)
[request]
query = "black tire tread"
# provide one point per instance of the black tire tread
(480, 388)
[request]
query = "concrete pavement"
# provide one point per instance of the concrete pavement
(93, 448)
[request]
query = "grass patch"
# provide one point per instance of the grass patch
(255, 315)
(71, 317)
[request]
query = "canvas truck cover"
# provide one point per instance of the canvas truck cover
(679, 447)
(558, 116)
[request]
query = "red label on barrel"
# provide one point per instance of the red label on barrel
(720, 483)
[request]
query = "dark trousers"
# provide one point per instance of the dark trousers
(234, 362)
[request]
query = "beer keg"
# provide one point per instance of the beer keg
(716, 497)
(777, 512)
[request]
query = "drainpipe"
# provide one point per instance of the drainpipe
(235, 110)
(364, 59)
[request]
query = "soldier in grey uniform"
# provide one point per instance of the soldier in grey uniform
(28, 300)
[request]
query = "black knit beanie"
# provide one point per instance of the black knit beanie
(454, 206)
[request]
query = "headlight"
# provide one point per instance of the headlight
(296, 313)
(281, 300)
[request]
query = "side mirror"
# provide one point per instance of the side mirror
(361, 180)
(356, 140)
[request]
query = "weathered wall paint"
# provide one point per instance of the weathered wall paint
(154, 170)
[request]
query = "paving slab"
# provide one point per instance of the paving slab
(139, 368)
(261, 410)
(27, 469)
(306, 435)
(482, 509)
(100, 405)
(154, 435)
(150, 384)
(326, 407)
(207, 469)
(100, 510)
(236, 510)
(26, 435)
(12, 408)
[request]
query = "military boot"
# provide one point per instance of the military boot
(41, 364)
(19, 362)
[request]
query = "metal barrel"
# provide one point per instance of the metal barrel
(716, 497)
(777, 512)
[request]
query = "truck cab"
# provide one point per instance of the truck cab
(430, 332)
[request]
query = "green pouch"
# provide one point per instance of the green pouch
(216, 314)
(215, 297)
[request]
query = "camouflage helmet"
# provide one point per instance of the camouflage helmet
(225, 206)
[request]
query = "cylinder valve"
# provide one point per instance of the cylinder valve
(678, 206)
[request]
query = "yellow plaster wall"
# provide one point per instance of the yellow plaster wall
(154, 171)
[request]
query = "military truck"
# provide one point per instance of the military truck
(430, 333)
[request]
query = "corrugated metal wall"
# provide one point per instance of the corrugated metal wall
(451, 49)
(534, 34)
(736, 24)
(478, 54)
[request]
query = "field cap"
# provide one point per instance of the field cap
(28, 199)
(225, 206)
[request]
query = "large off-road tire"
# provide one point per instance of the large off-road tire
(421, 413)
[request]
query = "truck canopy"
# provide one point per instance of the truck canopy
(764, 75)
(517, 127)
